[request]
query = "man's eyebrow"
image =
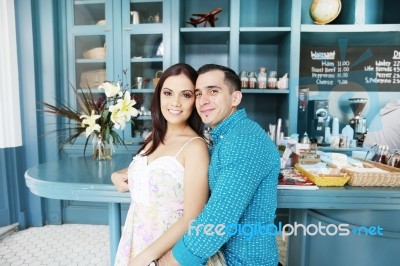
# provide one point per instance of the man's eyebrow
(209, 87)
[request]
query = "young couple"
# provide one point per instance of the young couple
(185, 196)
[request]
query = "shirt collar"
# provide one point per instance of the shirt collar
(226, 125)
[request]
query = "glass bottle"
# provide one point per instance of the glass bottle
(244, 80)
(383, 156)
(252, 80)
(272, 80)
(262, 78)
(378, 155)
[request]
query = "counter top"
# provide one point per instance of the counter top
(85, 179)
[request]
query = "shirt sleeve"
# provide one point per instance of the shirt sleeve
(243, 164)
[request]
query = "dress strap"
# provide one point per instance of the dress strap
(186, 145)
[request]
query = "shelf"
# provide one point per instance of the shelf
(146, 60)
(90, 61)
(86, 2)
(145, 1)
(142, 91)
(360, 35)
(217, 35)
(351, 28)
(144, 118)
(263, 35)
(264, 91)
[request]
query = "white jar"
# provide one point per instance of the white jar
(262, 78)
(272, 79)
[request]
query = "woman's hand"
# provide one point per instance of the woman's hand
(168, 260)
(139, 260)
(120, 180)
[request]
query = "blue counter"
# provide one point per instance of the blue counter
(85, 179)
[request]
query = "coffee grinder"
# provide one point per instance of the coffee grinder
(359, 122)
(312, 118)
(317, 116)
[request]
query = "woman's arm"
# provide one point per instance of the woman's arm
(120, 180)
(196, 160)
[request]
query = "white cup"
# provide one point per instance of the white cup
(139, 83)
(135, 17)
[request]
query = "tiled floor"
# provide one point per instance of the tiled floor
(67, 244)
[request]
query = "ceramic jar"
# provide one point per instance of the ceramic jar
(325, 11)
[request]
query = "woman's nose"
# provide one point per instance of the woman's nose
(176, 101)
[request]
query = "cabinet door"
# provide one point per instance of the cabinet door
(145, 45)
(90, 44)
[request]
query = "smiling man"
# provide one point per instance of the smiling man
(243, 176)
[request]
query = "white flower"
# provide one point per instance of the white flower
(90, 121)
(111, 89)
(123, 111)
(118, 118)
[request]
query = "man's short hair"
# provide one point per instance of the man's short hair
(232, 80)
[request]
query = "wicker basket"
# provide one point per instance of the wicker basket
(156, 78)
(92, 79)
(321, 180)
(95, 53)
(391, 178)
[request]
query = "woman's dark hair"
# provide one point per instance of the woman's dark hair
(159, 124)
(232, 80)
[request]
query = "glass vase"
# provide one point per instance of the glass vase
(101, 149)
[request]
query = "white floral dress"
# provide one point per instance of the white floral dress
(157, 192)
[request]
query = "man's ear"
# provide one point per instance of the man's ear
(236, 98)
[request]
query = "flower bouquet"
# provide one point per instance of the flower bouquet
(98, 118)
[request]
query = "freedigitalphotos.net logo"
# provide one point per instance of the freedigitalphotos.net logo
(251, 230)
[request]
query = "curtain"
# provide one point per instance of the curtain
(10, 117)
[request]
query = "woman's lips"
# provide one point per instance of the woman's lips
(175, 112)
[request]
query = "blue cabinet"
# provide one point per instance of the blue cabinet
(247, 35)
(146, 36)
(124, 40)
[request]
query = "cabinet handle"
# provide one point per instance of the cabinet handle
(107, 28)
(127, 28)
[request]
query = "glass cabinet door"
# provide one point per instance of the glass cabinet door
(144, 34)
(90, 43)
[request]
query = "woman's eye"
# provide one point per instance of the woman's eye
(187, 95)
(167, 93)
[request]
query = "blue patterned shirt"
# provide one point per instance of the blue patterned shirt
(243, 175)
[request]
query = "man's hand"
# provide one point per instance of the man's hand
(120, 180)
(168, 260)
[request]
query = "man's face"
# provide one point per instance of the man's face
(214, 102)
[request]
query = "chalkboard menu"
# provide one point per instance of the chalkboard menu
(374, 68)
